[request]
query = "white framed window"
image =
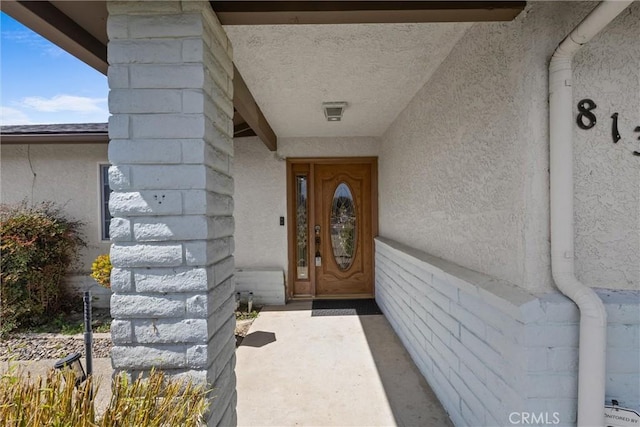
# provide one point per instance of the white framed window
(105, 190)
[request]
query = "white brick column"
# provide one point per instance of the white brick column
(171, 131)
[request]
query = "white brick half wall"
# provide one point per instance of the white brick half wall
(267, 285)
(171, 81)
(489, 349)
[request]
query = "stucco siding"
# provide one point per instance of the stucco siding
(260, 201)
(607, 175)
(328, 147)
(69, 176)
(464, 168)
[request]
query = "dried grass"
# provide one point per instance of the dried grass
(151, 402)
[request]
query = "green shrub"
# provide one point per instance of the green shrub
(38, 246)
(152, 402)
(101, 270)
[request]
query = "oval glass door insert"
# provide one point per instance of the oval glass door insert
(343, 226)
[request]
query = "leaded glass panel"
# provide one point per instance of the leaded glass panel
(343, 226)
(302, 252)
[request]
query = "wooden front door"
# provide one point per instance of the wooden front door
(332, 208)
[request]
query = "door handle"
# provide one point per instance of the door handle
(318, 255)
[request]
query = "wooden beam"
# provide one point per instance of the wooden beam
(243, 132)
(247, 107)
(240, 126)
(48, 21)
(236, 12)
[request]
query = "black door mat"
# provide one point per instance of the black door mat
(344, 307)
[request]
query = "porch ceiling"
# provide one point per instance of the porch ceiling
(376, 68)
(290, 70)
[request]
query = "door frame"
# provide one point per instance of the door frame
(298, 162)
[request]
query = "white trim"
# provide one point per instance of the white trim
(58, 138)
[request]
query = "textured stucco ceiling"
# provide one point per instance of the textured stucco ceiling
(377, 69)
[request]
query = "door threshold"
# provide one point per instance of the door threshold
(320, 297)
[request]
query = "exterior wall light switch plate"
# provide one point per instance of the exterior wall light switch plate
(281, 220)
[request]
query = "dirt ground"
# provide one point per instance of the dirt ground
(242, 328)
(59, 339)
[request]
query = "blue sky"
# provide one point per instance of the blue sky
(41, 83)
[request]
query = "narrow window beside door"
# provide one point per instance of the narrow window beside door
(302, 257)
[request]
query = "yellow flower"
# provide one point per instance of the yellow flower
(101, 270)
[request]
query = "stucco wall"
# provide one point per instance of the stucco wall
(260, 200)
(464, 168)
(68, 175)
(607, 175)
(261, 192)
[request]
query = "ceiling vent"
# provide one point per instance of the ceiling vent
(333, 110)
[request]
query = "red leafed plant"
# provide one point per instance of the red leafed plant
(39, 245)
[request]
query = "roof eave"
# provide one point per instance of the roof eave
(55, 138)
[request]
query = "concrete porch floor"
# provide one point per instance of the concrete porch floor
(297, 370)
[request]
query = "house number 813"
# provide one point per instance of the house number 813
(587, 119)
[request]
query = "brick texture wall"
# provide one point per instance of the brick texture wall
(171, 148)
(490, 349)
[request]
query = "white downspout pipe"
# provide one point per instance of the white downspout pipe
(593, 317)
